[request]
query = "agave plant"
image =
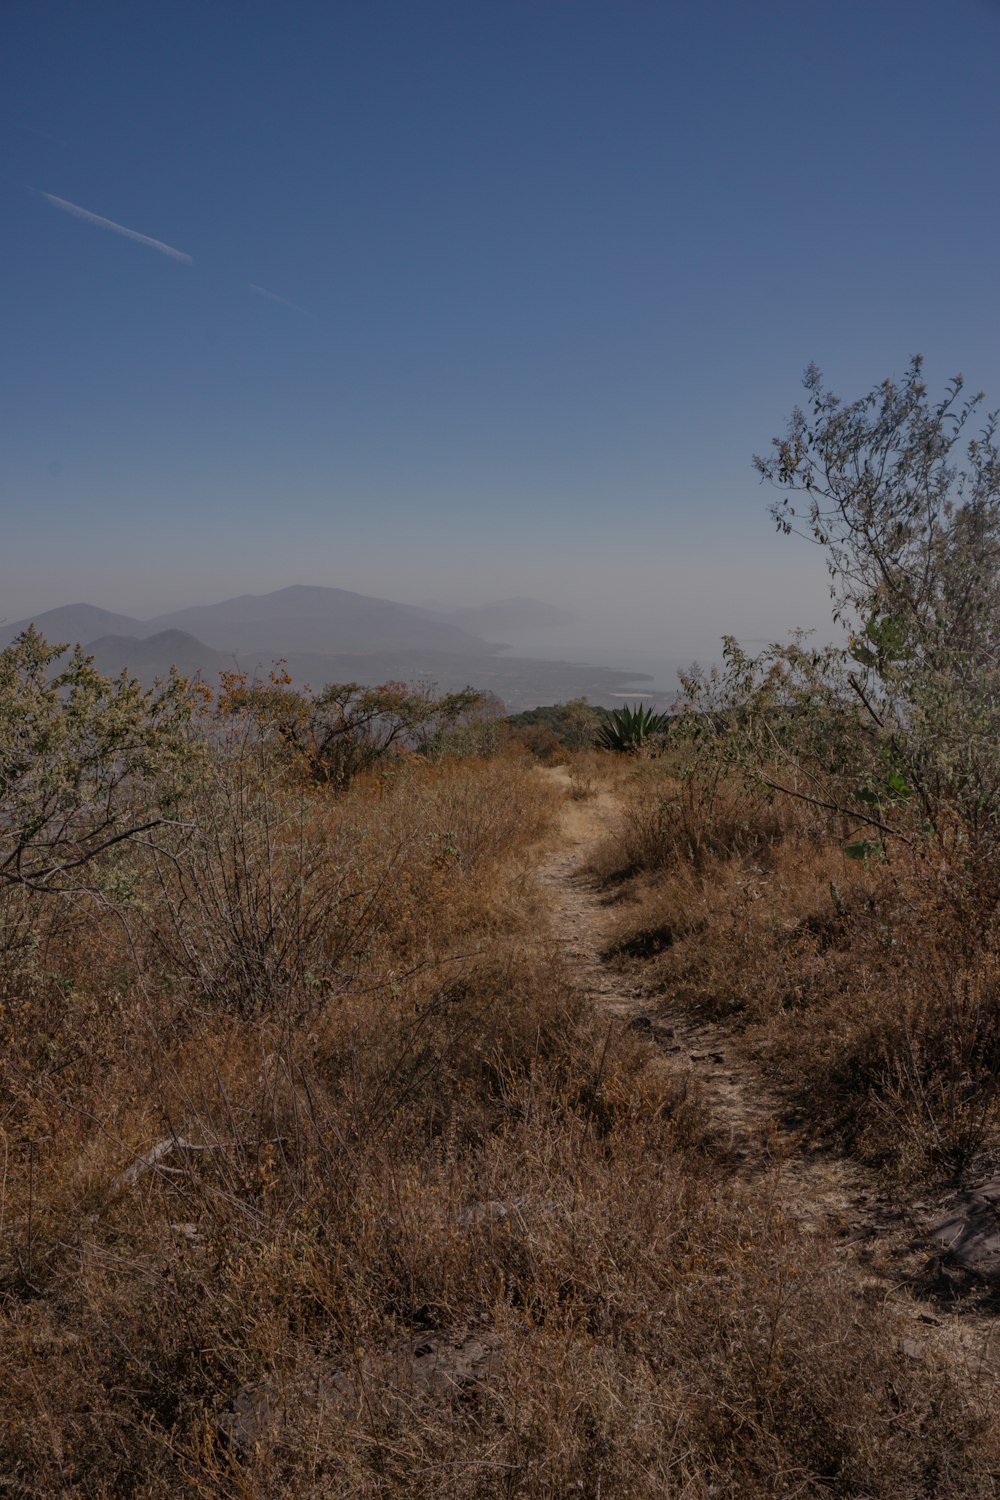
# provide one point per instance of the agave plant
(630, 729)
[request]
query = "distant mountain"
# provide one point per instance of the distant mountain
(506, 615)
(319, 619)
(335, 635)
(74, 623)
(154, 655)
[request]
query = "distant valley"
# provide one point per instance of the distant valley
(335, 635)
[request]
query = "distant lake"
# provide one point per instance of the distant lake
(569, 643)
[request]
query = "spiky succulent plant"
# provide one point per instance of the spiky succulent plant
(631, 728)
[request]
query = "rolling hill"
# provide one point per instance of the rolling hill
(320, 619)
(335, 635)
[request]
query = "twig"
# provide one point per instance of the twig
(152, 1158)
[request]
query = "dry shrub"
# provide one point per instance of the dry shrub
(431, 1227)
(540, 741)
(276, 892)
(669, 817)
(866, 989)
(597, 773)
(569, 1298)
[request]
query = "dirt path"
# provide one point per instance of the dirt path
(954, 1316)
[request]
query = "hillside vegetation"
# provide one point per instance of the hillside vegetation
(323, 1174)
(356, 1142)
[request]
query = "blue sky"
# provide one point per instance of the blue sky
(550, 274)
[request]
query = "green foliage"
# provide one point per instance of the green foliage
(86, 761)
(910, 524)
(632, 728)
(862, 849)
(897, 728)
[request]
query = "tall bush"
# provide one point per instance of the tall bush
(86, 761)
(895, 728)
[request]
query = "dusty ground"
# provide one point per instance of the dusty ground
(900, 1248)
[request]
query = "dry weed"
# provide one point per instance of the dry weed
(428, 1226)
(865, 988)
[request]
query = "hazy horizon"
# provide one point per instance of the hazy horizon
(460, 303)
(601, 631)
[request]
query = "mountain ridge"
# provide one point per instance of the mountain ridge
(329, 635)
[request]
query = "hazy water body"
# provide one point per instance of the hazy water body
(568, 643)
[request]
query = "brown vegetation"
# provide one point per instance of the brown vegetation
(333, 1165)
(871, 993)
(323, 1176)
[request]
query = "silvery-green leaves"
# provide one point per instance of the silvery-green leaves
(86, 761)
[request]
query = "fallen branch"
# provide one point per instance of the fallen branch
(155, 1155)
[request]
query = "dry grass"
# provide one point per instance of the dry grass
(428, 1226)
(670, 819)
(868, 991)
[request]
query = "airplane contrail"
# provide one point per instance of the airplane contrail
(262, 291)
(130, 234)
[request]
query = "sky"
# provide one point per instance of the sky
(455, 301)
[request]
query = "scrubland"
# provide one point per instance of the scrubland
(333, 1166)
(868, 988)
(323, 1176)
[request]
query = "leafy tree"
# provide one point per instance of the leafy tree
(86, 761)
(898, 726)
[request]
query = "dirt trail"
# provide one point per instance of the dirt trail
(954, 1317)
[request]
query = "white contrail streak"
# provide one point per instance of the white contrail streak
(130, 234)
(262, 291)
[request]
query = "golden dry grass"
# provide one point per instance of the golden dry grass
(425, 1225)
(869, 991)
